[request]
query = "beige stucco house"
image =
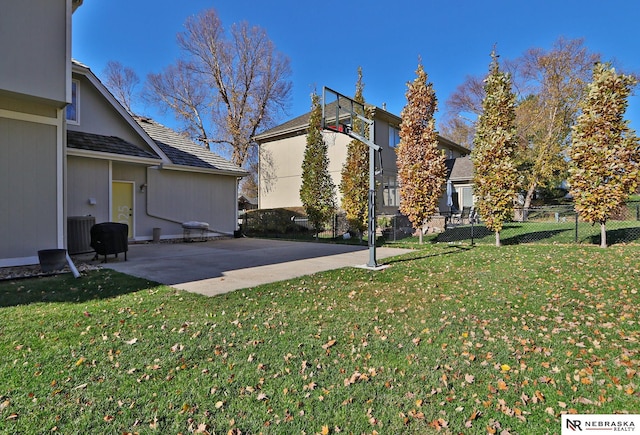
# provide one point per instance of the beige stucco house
(281, 151)
(68, 149)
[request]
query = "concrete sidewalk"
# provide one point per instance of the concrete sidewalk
(220, 266)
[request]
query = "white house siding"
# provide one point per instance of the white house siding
(182, 196)
(30, 176)
(35, 49)
(35, 77)
(88, 179)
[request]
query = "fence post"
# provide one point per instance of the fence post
(577, 227)
(395, 226)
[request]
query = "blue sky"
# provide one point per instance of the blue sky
(327, 41)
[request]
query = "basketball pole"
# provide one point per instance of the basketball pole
(373, 263)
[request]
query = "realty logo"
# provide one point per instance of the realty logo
(573, 424)
(600, 423)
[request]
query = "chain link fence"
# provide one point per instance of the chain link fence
(290, 223)
(550, 224)
(546, 224)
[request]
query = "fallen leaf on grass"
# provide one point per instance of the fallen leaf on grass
(469, 378)
(439, 424)
(329, 344)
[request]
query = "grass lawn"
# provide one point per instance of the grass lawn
(449, 339)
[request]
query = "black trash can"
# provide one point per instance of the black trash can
(109, 238)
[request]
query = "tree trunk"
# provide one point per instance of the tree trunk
(529, 197)
(498, 242)
(603, 235)
(421, 233)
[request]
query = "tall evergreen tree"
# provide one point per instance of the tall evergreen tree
(317, 192)
(605, 152)
(421, 168)
(495, 140)
(354, 185)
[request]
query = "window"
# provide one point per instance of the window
(467, 196)
(390, 192)
(73, 109)
(394, 137)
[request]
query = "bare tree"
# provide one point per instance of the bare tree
(551, 85)
(548, 85)
(121, 81)
(238, 83)
(179, 89)
(463, 107)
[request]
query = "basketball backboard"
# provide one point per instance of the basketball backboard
(344, 115)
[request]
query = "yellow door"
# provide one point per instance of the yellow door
(122, 204)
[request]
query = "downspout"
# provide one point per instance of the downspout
(159, 167)
(235, 205)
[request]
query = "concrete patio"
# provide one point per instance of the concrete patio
(220, 266)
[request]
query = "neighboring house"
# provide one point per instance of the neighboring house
(245, 203)
(68, 149)
(460, 174)
(282, 152)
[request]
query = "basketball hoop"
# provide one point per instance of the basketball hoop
(342, 114)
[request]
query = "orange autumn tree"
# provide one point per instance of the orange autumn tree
(354, 184)
(494, 175)
(604, 152)
(317, 192)
(421, 168)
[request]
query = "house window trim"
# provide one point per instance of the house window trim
(75, 121)
(394, 129)
(390, 191)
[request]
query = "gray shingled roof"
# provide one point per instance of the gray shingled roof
(105, 144)
(298, 123)
(182, 151)
(460, 169)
